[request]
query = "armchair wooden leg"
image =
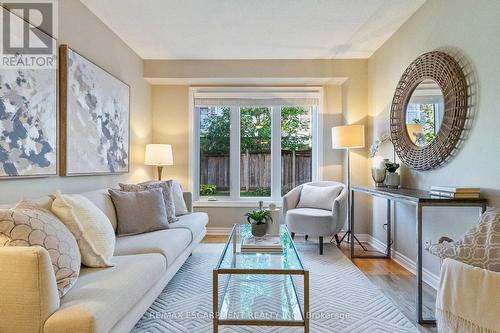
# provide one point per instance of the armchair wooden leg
(293, 235)
(337, 240)
(321, 245)
(307, 236)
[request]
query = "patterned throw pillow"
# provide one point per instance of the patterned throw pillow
(167, 195)
(479, 247)
(28, 224)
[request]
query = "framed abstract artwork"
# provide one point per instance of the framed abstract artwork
(95, 118)
(28, 114)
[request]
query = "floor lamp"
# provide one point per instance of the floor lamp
(349, 137)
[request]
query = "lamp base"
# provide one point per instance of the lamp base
(160, 169)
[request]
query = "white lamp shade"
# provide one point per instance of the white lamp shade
(159, 154)
(348, 136)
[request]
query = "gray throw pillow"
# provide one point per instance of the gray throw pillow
(139, 212)
(180, 204)
(167, 195)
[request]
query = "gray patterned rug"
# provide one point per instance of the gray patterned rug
(342, 298)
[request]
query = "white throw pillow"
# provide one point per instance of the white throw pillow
(318, 197)
(90, 226)
(179, 203)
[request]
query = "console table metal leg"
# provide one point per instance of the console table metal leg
(420, 301)
(389, 240)
(419, 263)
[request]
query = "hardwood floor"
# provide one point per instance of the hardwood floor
(391, 278)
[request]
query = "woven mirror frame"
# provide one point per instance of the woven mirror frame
(448, 74)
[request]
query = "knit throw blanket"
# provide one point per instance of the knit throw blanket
(468, 299)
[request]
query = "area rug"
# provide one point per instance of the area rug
(342, 298)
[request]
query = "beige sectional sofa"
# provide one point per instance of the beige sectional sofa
(103, 299)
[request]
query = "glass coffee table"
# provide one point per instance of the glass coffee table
(260, 289)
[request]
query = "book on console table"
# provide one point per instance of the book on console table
(455, 192)
(267, 244)
(451, 189)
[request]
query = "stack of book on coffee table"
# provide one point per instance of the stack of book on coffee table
(267, 244)
(455, 192)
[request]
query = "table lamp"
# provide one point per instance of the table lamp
(159, 155)
(348, 137)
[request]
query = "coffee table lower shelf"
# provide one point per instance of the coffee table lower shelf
(235, 304)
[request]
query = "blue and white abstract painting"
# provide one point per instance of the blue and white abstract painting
(97, 119)
(28, 122)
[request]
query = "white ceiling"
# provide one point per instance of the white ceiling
(254, 29)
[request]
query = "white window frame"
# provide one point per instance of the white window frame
(234, 199)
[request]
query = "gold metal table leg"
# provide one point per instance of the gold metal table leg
(306, 302)
(215, 296)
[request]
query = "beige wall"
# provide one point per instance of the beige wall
(85, 33)
(171, 125)
(472, 27)
(345, 102)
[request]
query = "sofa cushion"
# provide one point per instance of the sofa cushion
(102, 200)
(170, 243)
(195, 222)
(102, 296)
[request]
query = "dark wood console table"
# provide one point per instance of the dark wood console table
(419, 199)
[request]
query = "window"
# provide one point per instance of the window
(256, 153)
(214, 151)
(253, 144)
(296, 147)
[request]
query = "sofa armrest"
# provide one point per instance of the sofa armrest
(188, 199)
(291, 199)
(28, 289)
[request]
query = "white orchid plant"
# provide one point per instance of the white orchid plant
(385, 163)
(384, 137)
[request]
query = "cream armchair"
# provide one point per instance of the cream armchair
(312, 221)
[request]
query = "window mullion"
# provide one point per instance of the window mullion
(234, 159)
(276, 153)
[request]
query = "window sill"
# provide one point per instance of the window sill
(203, 203)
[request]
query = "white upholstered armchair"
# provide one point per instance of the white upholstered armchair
(313, 221)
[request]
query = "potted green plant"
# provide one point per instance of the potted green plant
(392, 178)
(259, 219)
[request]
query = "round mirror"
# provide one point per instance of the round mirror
(429, 111)
(424, 113)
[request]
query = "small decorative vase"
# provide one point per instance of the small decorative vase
(392, 180)
(378, 175)
(259, 230)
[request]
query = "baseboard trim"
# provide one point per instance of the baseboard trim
(430, 278)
